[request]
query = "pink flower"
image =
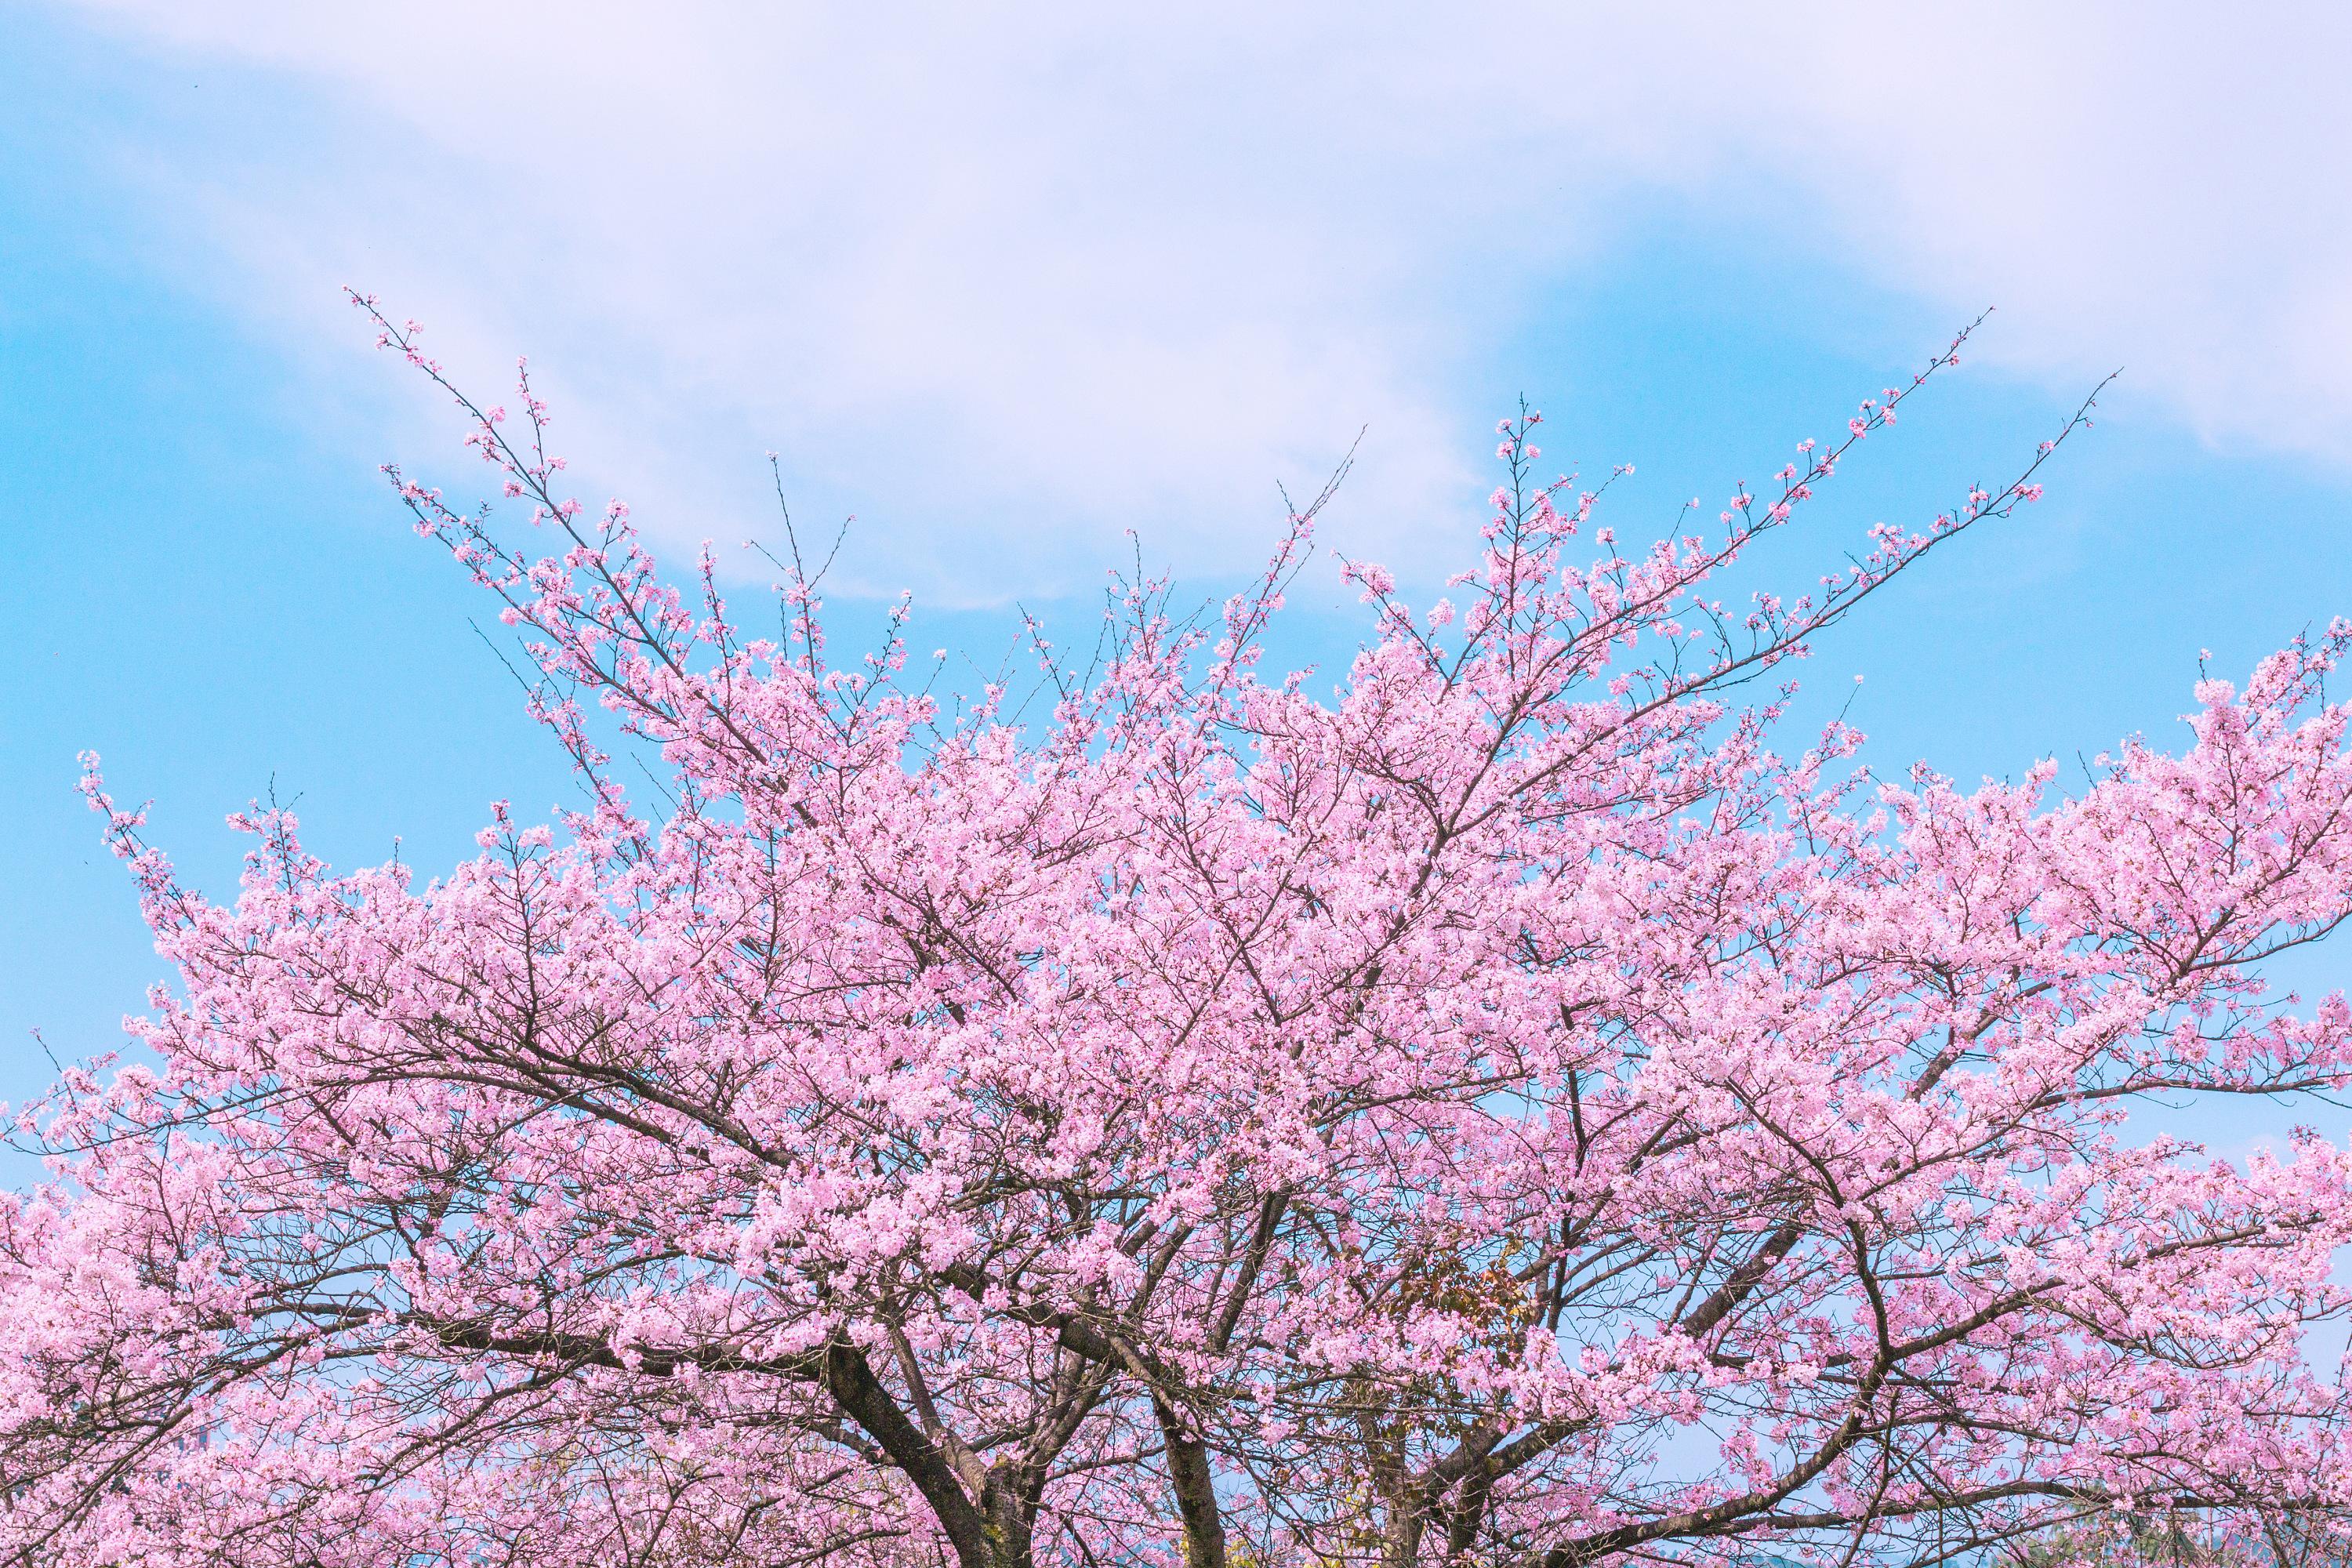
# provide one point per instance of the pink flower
(1194, 1102)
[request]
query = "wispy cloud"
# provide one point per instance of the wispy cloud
(1025, 283)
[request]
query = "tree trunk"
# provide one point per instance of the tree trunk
(1196, 1493)
(1008, 1505)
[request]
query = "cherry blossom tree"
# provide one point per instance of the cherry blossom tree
(1507, 1112)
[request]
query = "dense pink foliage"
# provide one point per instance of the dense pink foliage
(1507, 1113)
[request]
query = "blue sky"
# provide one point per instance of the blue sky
(1005, 293)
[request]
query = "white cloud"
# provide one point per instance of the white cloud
(1024, 282)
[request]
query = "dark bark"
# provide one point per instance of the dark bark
(1195, 1489)
(863, 1398)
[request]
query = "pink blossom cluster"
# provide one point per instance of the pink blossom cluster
(1507, 1112)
